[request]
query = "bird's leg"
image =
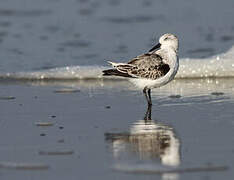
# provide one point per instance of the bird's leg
(149, 95)
(146, 95)
(148, 114)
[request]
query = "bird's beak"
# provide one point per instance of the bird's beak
(155, 47)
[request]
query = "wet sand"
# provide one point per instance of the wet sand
(49, 131)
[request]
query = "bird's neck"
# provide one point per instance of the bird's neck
(169, 56)
(169, 48)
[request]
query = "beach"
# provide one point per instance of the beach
(55, 131)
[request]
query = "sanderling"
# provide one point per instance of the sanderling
(153, 69)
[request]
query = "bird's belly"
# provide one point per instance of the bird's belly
(142, 83)
(150, 83)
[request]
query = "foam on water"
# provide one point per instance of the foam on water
(61, 73)
(217, 66)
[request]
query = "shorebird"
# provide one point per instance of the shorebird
(153, 69)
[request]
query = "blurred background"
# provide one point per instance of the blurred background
(44, 34)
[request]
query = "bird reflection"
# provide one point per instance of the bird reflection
(146, 140)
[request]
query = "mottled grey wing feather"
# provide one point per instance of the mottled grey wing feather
(148, 66)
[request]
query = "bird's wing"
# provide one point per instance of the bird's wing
(148, 66)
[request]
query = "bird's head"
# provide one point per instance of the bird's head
(169, 41)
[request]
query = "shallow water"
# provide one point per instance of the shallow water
(102, 133)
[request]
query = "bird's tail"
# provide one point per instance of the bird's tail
(114, 72)
(113, 64)
(110, 72)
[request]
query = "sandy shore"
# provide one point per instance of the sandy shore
(85, 132)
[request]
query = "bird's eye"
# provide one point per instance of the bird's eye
(166, 38)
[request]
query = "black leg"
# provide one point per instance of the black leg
(148, 114)
(146, 95)
(149, 95)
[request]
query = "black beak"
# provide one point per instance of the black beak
(155, 47)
